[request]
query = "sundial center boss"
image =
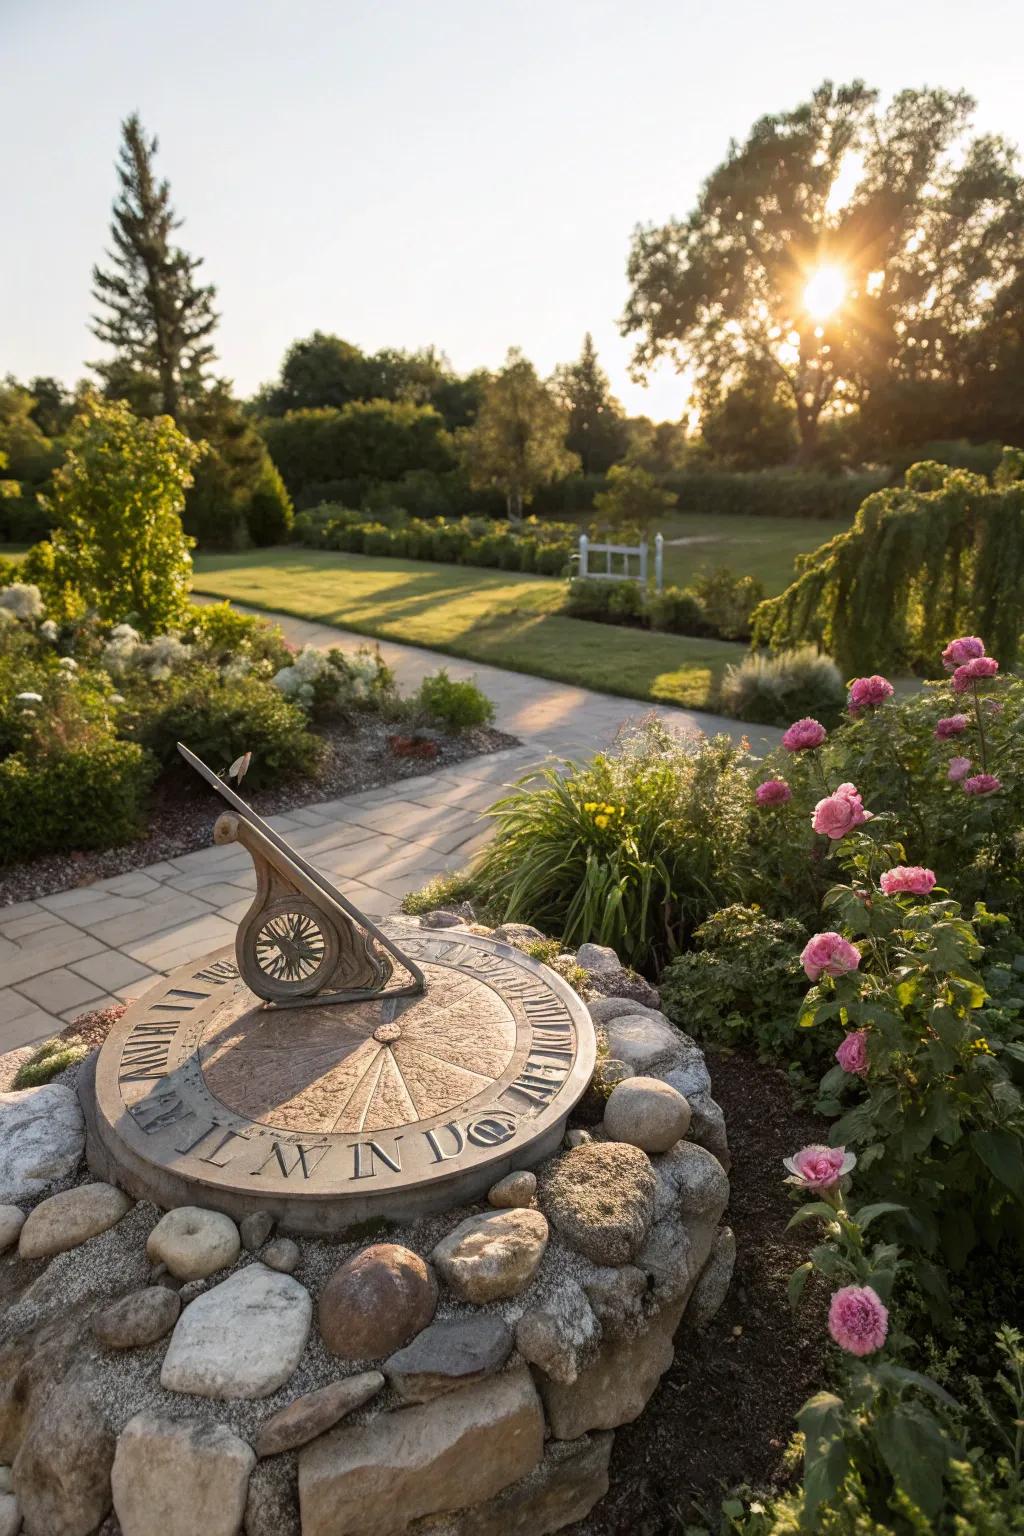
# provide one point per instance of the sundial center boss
(328, 1070)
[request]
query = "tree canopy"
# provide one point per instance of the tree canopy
(156, 316)
(849, 250)
(597, 427)
(517, 442)
(941, 555)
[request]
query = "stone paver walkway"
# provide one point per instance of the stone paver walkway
(94, 945)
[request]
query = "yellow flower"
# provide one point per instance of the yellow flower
(600, 821)
(622, 810)
(982, 1046)
(590, 806)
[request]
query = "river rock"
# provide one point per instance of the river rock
(690, 1076)
(597, 957)
(519, 934)
(603, 1009)
(316, 1412)
(601, 1199)
(616, 1297)
(194, 1243)
(282, 1254)
(668, 1260)
(42, 1138)
(644, 1041)
(606, 973)
(616, 1386)
(11, 1222)
(10, 1515)
(254, 1230)
(692, 1181)
(70, 1218)
(241, 1339)
(272, 1503)
(180, 1477)
(559, 1335)
(515, 1189)
(376, 1301)
(62, 1471)
(646, 1113)
(487, 1258)
(559, 1492)
(448, 1355)
(707, 1128)
(430, 1459)
(138, 1319)
(713, 1282)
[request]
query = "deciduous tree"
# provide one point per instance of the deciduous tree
(517, 442)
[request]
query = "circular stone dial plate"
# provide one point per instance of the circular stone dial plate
(351, 1108)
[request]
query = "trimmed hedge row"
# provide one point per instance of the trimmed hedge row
(542, 548)
(718, 605)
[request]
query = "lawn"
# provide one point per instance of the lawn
(499, 617)
(750, 546)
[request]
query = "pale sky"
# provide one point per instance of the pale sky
(403, 172)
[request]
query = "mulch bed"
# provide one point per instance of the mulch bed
(724, 1413)
(359, 756)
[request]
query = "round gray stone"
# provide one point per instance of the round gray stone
(646, 1113)
(282, 1254)
(601, 1199)
(487, 1258)
(242, 1338)
(515, 1189)
(138, 1319)
(642, 1041)
(194, 1243)
(70, 1218)
(11, 1222)
(254, 1230)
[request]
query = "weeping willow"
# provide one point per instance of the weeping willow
(939, 556)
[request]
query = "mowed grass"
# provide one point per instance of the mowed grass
(506, 619)
(750, 546)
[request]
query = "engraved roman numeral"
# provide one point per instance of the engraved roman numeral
(186, 1001)
(145, 1053)
(159, 1111)
(220, 970)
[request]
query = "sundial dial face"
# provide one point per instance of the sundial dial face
(328, 1113)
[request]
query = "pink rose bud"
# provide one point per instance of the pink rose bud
(909, 879)
(959, 651)
(868, 693)
(773, 792)
(839, 813)
(819, 1168)
(982, 784)
(829, 954)
(974, 672)
(804, 734)
(852, 1054)
(959, 768)
(952, 725)
(857, 1320)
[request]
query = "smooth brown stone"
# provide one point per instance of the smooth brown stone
(376, 1301)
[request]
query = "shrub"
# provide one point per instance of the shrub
(741, 984)
(457, 705)
(223, 635)
(118, 499)
(370, 439)
(220, 721)
(445, 890)
(606, 602)
(532, 546)
(91, 795)
(634, 850)
(268, 515)
(773, 690)
(677, 610)
(728, 601)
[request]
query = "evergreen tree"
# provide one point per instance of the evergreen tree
(597, 430)
(158, 319)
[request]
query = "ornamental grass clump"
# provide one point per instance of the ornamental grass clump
(633, 850)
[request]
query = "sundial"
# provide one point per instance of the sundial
(329, 1070)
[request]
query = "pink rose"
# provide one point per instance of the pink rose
(959, 768)
(852, 1054)
(839, 813)
(857, 1320)
(982, 784)
(973, 672)
(773, 792)
(952, 725)
(908, 878)
(868, 693)
(819, 1168)
(804, 734)
(829, 954)
(959, 651)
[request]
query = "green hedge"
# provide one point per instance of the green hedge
(719, 604)
(542, 548)
(91, 796)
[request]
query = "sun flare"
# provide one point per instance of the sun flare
(825, 292)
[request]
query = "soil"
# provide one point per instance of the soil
(724, 1413)
(361, 754)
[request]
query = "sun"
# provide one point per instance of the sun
(825, 292)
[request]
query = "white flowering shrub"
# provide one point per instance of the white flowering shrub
(23, 600)
(158, 659)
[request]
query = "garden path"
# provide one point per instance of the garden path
(95, 945)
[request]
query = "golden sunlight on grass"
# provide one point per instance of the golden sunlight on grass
(825, 292)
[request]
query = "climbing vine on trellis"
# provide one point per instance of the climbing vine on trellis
(941, 555)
